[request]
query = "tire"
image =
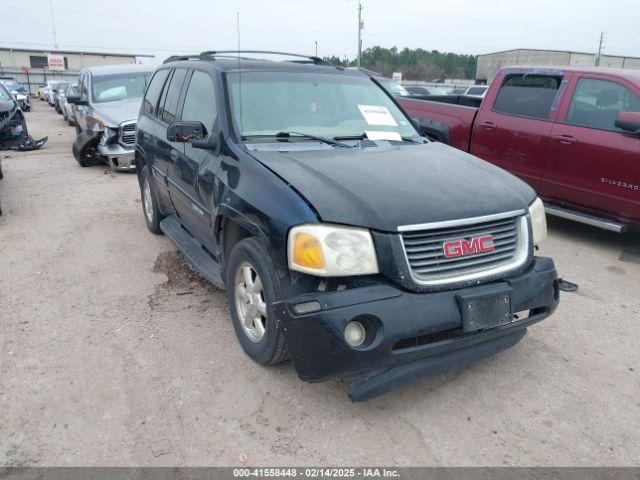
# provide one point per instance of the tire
(85, 149)
(152, 216)
(271, 347)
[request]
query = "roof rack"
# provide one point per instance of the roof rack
(212, 54)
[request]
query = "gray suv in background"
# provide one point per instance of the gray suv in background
(106, 109)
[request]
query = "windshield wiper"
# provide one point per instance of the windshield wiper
(290, 134)
(364, 137)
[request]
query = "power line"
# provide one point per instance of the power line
(53, 25)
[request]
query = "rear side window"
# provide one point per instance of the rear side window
(150, 102)
(527, 95)
(200, 101)
(596, 104)
(170, 107)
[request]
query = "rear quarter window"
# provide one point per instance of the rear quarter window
(150, 103)
(527, 95)
(172, 95)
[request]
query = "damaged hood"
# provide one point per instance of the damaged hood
(118, 111)
(387, 186)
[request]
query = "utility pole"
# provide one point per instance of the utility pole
(53, 26)
(599, 49)
(360, 26)
(316, 48)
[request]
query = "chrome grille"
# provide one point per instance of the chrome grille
(127, 134)
(424, 248)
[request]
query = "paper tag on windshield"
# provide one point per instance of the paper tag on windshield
(373, 135)
(377, 115)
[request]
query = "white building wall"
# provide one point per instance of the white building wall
(582, 60)
(75, 61)
(489, 64)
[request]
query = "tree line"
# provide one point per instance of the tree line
(415, 64)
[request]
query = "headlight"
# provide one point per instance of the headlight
(331, 251)
(538, 221)
(95, 124)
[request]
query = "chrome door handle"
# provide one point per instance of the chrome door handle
(566, 139)
(488, 125)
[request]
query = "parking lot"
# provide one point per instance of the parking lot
(113, 352)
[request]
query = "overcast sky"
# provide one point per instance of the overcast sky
(166, 27)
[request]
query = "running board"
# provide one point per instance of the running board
(197, 257)
(585, 218)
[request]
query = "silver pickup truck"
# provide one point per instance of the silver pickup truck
(106, 109)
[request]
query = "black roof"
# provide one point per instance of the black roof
(233, 61)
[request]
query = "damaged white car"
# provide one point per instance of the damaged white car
(13, 125)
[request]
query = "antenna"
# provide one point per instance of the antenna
(239, 72)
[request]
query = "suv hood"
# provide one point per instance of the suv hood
(118, 111)
(385, 187)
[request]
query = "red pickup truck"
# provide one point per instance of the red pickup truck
(572, 133)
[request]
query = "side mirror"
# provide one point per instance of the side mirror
(186, 132)
(77, 100)
(629, 123)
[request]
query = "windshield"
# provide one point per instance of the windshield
(4, 93)
(324, 105)
(108, 88)
(13, 86)
(394, 88)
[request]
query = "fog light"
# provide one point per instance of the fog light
(355, 334)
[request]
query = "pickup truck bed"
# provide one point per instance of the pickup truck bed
(456, 123)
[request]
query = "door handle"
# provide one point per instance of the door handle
(488, 125)
(565, 139)
(174, 155)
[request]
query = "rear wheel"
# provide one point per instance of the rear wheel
(253, 287)
(152, 216)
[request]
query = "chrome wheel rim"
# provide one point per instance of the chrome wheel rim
(147, 201)
(250, 302)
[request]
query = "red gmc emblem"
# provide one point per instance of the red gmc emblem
(461, 248)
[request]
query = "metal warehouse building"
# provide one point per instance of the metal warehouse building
(489, 63)
(32, 67)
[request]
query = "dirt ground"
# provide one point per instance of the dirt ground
(113, 353)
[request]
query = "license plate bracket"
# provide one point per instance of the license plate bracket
(485, 309)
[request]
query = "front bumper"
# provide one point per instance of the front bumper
(118, 157)
(417, 334)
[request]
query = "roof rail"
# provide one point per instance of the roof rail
(176, 58)
(308, 58)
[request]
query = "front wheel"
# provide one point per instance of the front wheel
(85, 149)
(253, 287)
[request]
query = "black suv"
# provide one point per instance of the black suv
(346, 240)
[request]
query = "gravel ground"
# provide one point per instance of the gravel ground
(112, 352)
